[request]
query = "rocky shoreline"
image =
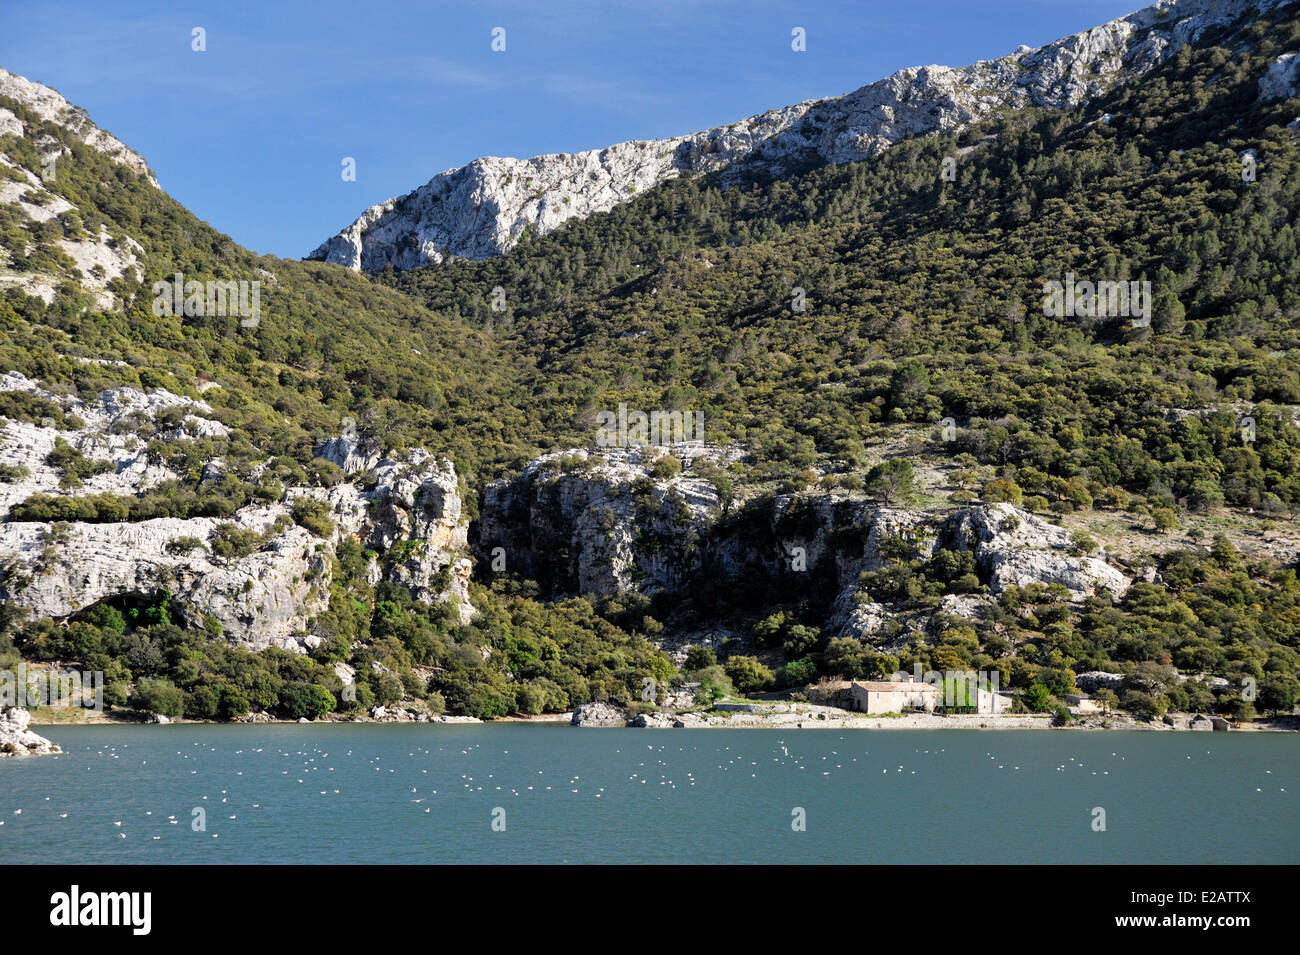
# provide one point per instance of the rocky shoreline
(794, 716)
(757, 715)
(809, 716)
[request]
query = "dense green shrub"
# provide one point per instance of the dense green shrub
(314, 516)
(233, 542)
(158, 696)
(299, 700)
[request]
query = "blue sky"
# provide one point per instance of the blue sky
(250, 134)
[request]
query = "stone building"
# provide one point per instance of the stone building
(875, 697)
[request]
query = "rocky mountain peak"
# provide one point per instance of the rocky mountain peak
(50, 105)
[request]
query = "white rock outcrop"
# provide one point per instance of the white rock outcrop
(854, 616)
(98, 258)
(485, 208)
(1018, 548)
(33, 191)
(598, 714)
(600, 521)
(17, 740)
(265, 598)
(1094, 680)
(413, 515)
(657, 721)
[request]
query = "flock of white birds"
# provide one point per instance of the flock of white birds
(432, 774)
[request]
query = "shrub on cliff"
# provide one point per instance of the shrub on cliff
(890, 481)
(698, 657)
(666, 466)
(232, 542)
(314, 516)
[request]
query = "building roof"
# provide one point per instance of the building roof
(895, 686)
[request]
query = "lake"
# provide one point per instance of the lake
(421, 793)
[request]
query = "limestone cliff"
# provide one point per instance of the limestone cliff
(602, 523)
(409, 510)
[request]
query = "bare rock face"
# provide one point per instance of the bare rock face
(349, 453)
(485, 208)
(656, 721)
(30, 189)
(106, 434)
(416, 499)
(266, 598)
(1011, 548)
(1094, 680)
(17, 740)
(1018, 548)
(1082, 576)
(856, 617)
(414, 516)
(99, 257)
(969, 606)
(1282, 80)
(598, 522)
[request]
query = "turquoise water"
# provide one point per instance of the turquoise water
(353, 793)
